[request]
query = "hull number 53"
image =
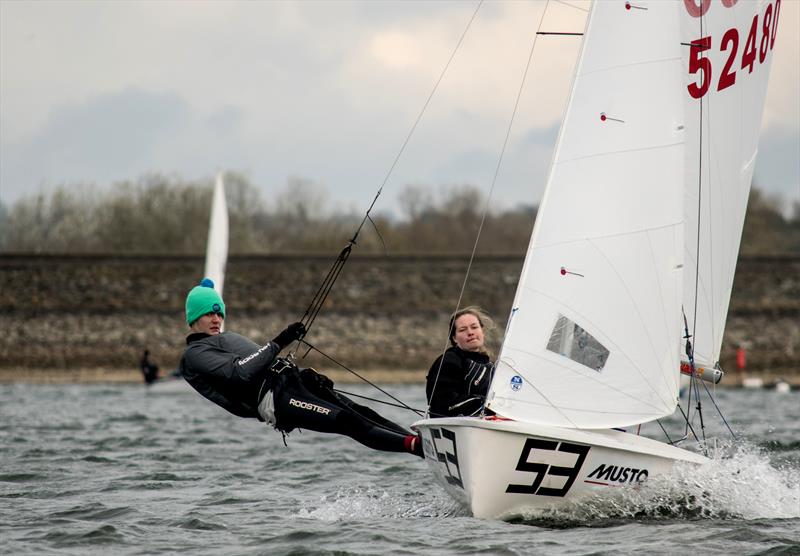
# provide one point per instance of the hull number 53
(542, 470)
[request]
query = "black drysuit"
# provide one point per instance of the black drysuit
(458, 385)
(236, 373)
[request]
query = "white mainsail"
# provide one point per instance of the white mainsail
(596, 316)
(730, 80)
(217, 245)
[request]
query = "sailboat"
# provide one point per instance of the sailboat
(632, 257)
(218, 231)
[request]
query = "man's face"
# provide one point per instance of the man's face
(210, 323)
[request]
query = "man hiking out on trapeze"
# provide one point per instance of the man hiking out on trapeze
(250, 380)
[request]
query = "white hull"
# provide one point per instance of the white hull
(498, 469)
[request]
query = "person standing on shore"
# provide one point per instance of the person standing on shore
(251, 381)
(148, 368)
(458, 380)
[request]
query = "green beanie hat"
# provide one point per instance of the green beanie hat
(203, 299)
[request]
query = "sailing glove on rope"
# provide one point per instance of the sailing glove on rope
(316, 381)
(293, 332)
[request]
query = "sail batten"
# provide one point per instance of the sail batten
(678, 144)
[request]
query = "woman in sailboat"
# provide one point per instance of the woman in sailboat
(250, 380)
(458, 380)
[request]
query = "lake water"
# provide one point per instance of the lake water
(100, 469)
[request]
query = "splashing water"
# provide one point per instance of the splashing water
(739, 483)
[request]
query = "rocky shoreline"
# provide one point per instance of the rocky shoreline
(72, 313)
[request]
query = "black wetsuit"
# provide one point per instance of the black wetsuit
(458, 385)
(236, 373)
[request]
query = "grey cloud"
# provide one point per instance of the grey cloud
(105, 138)
(226, 120)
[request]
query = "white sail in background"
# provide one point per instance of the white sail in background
(729, 78)
(591, 340)
(217, 245)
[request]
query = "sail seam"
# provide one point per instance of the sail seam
(618, 234)
(655, 62)
(621, 151)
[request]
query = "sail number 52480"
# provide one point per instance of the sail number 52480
(760, 40)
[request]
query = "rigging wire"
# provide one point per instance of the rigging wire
(690, 428)
(694, 380)
(664, 431)
(699, 215)
(419, 412)
(321, 295)
(692, 383)
(491, 188)
(325, 288)
(348, 369)
(724, 420)
(689, 349)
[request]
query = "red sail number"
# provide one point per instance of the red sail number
(728, 77)
(700, 63)
(760, 40)
(699, 10)
(696, 10)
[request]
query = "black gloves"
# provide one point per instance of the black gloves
(315, 381)
(293, 332)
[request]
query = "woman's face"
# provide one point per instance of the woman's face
(469, 334)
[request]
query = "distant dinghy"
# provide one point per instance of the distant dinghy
(640, 224)
(218, 232)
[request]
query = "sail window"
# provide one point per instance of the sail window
(572, 341)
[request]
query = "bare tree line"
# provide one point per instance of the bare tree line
(157, 214)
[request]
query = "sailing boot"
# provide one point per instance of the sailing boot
(413, 445)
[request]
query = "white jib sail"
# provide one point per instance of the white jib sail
(728, 74)
(217, 245)
(596, 317)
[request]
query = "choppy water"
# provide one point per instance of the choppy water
(122, 470)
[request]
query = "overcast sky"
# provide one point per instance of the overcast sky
(96, 92)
